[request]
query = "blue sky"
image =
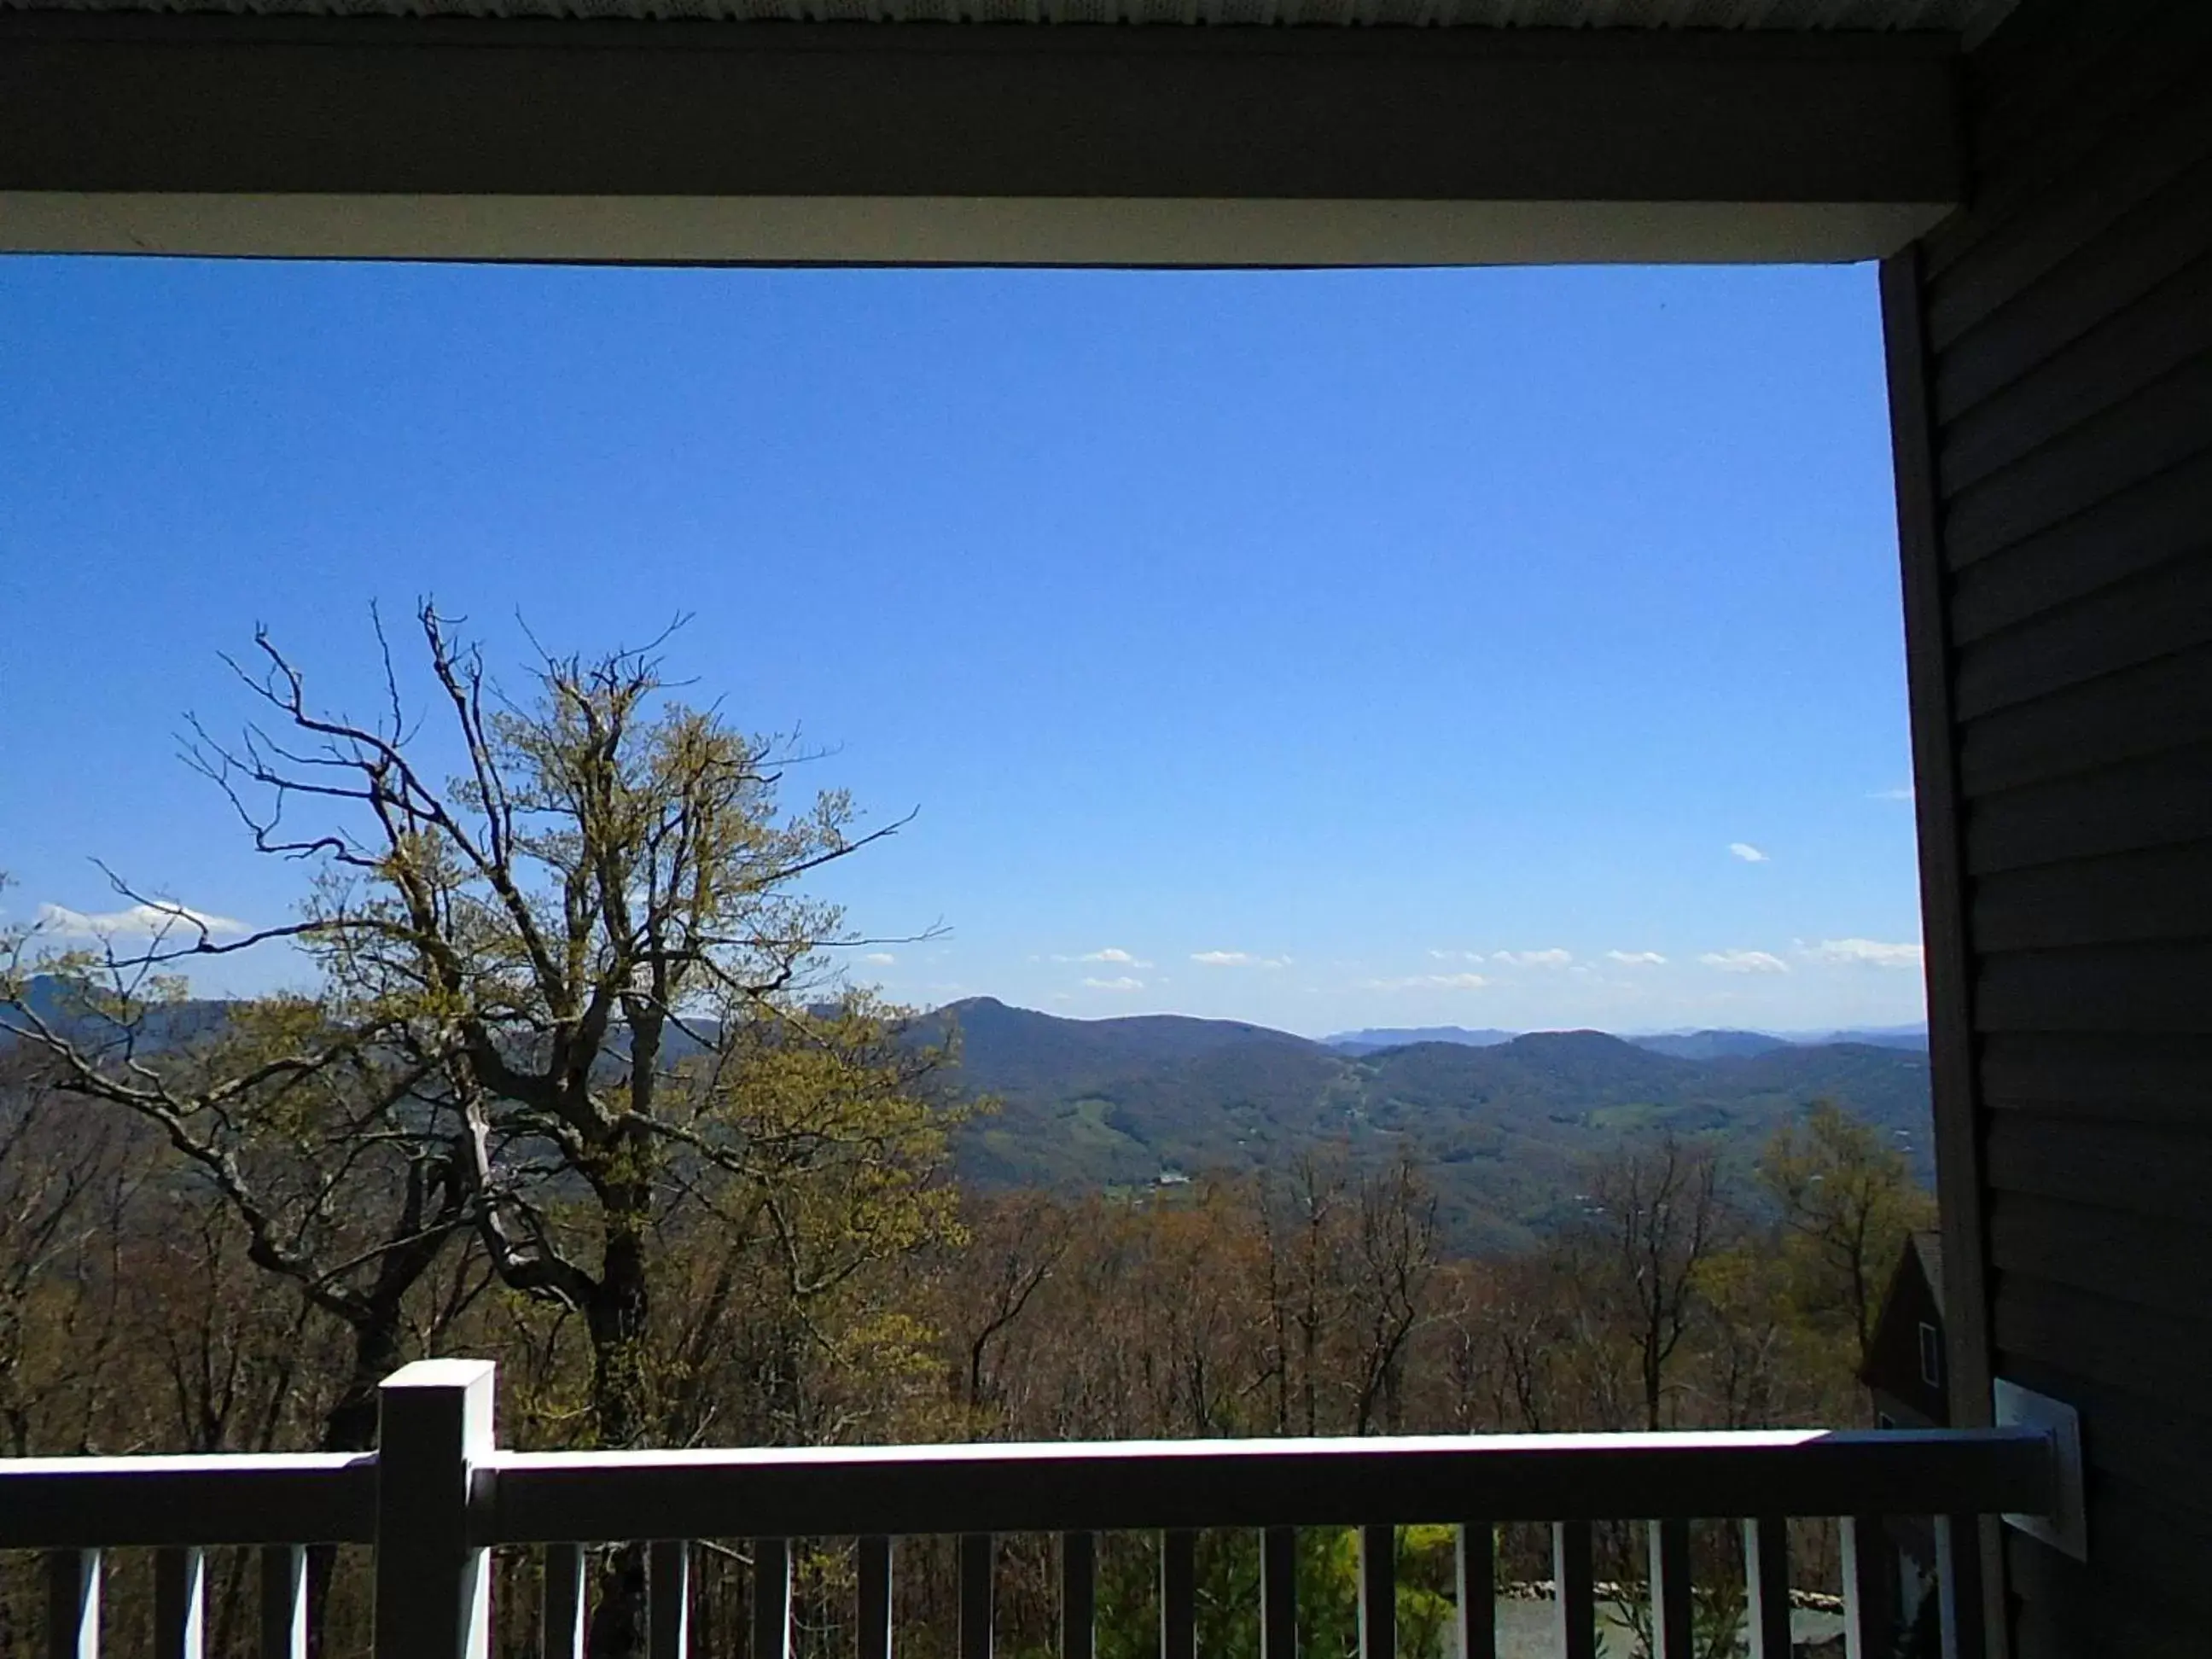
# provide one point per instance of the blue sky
(1322, 649)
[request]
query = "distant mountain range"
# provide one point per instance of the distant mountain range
(1684, 1045)
(1399, 1036)
(1504, 1119)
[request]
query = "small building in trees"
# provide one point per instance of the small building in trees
(1903, 1368)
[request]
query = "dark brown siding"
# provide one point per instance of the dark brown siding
(2051, 361)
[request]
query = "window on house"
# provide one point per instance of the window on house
(1931, 1356)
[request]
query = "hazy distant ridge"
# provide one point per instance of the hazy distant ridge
(1684, 1045)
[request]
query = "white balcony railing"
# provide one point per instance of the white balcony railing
(438, 1493)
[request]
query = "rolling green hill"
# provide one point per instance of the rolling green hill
(1123, 1101)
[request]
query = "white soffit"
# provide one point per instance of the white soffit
(1970, 19)
(956, 231)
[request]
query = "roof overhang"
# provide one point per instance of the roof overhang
(916, 143)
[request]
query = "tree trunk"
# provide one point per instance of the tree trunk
(620, 1402)
(1654, 1379)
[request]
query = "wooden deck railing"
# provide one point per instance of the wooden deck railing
(438, 1493)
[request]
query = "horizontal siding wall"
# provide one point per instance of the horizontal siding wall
(2064, 330)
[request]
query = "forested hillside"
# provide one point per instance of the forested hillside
(1123, 1102)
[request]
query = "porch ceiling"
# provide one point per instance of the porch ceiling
(655, 131)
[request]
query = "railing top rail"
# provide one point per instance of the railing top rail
(842, 1490)
(157, 1465)
(1099, 1486)
(967, 1453)
(113, 1503)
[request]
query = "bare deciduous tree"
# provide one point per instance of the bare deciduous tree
(1658, 1219)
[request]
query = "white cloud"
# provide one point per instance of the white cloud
(1237, 959)
(1863, 952)
(1429, 982)
(1122, 983)
(881, 958)
(1903, 792)
(1637, 958)
(138, 921)
(1551, 958)
(1118, 958)
(1747, 852)
(1744, 962)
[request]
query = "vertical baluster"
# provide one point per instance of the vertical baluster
(180, 1604)
(1867, 1617)
(875, 1598)
(73, 1604)
(668, 1609)
(978, 1594)
(1279, 1593)
(1078, 1594)
(561, 1619)
(771, 1598)
(1378, 1592)
(1572, 1577)
(283, 1601)
(1179, 1595)
(1766, 1584)
(1477, 1564)
(1671, 1624)
(1958, 1582)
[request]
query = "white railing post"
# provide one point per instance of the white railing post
(433, 1585)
